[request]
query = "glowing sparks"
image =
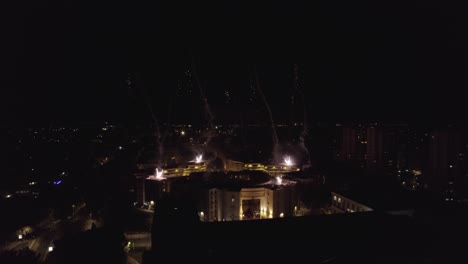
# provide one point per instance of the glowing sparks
(198, 159)
(288, 161)
(158, 175)
(279, 180)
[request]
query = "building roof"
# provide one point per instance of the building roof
(313, 239)
(382, 200)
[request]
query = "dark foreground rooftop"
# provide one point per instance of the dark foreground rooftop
(346, 238)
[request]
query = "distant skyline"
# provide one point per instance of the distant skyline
(69, 61)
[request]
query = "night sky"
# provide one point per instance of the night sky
(68, 61)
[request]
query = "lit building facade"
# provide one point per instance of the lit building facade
(230, 165)
(224, 196)
(248, 203)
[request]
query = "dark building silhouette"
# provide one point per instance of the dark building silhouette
(102, 245)
(353, 148)
(446, 168)
(366, 237)
(374, 148)
(371, 146)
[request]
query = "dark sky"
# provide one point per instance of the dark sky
(395, 60)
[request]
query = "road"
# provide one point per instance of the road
(132, 260)
(139, 243)
(50, 230)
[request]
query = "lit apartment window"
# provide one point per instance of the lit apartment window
(339, 199)
(334, 197)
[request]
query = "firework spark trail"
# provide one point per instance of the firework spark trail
(208, 114)
(305, 130)
(273, 128)
(156, 123)
(166, 130)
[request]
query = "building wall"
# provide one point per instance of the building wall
(374, 148)
(253, 194)
(445, 171)
(154, 190)
(342, 204)
(232, 165)
(354, 144)
(284, 202)
(231, 204)
(227, 205)
(140, 190)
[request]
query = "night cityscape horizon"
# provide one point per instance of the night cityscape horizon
(326, 132)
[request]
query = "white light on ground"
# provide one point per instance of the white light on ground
(198, 158)
(288, 161)
(279, 180)
(51, 249)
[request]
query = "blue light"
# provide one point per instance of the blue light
(57, 182)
